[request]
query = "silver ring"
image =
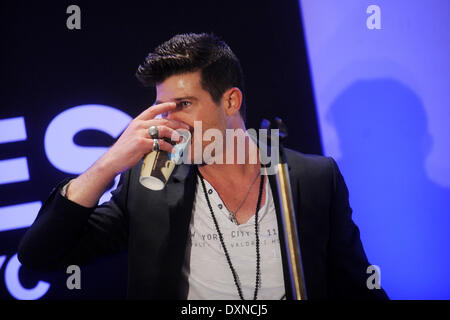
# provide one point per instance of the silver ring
(153, 132)
(155, 145)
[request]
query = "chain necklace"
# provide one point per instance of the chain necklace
(233, 213)
(233, 271)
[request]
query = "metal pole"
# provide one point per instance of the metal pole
(292, 245)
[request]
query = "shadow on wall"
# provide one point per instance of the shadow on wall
(404, 217)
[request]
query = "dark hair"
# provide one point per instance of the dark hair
(220, 68)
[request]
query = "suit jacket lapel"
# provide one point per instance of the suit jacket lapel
(179, 194)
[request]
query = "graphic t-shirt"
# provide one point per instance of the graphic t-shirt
(206, 268)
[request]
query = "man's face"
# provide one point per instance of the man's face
(193, 103)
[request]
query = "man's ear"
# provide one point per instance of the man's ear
(232, 101)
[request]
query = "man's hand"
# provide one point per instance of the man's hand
(135, 141)
(132, 146)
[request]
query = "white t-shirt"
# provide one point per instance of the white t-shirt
(206, 268)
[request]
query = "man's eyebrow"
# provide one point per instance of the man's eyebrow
(178, 99)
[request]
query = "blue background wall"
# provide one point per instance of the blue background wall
(382, 99)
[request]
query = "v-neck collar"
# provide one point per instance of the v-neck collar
(219, 205)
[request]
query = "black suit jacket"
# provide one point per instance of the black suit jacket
(153, 226)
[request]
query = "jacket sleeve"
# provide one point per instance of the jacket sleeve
(347, 260)
(66, 233)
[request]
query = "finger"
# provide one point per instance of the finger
(154, 110)
(163, 145)
(174, 124)
(167, 132)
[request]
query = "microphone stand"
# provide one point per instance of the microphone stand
(288, 217)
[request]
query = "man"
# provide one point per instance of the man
(214, 231)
